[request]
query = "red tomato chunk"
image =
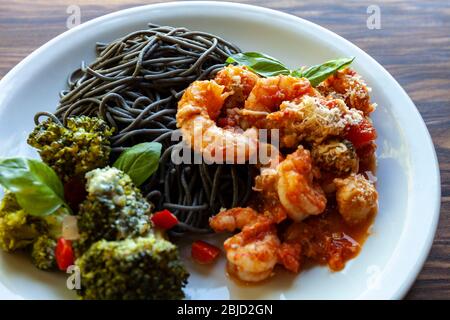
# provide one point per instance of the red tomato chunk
(64, 254)
(361, 134)
(203, 252)
(164, 219)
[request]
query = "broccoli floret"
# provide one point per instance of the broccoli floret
(114, 209)
(142, 268)
(9, 204)
(43, 253)
(81, 146)
(17, 228)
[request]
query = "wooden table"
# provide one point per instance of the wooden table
(413, 44)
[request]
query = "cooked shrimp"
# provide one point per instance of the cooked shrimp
(268, 94)
(289, 188)
(232, 219)
(298, 193)
(252, 253)
(198, 109)
(252, 259)
(238, 80)
(356, 198)
(347, 85)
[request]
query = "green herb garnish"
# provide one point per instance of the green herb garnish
(259, 63)
(267, 66)
(320, 72)
(140, 161)
(36, 186)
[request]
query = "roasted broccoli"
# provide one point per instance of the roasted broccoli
(114, 209)
(17, 228)
(81, 146)
(9, 203)
(141, 268)
(336, 156)
(43, 253)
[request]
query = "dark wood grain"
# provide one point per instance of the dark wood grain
(413, 44)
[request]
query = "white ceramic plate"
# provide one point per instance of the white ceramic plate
(408, 176)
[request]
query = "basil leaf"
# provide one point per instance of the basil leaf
(318, 73)
(262, 64)
(37, 187)
(140, 161)
(267, 66)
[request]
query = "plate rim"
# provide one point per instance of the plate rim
(414, 270)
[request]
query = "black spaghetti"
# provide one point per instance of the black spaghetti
(134, 84)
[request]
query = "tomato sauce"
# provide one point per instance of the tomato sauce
(327, 240)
